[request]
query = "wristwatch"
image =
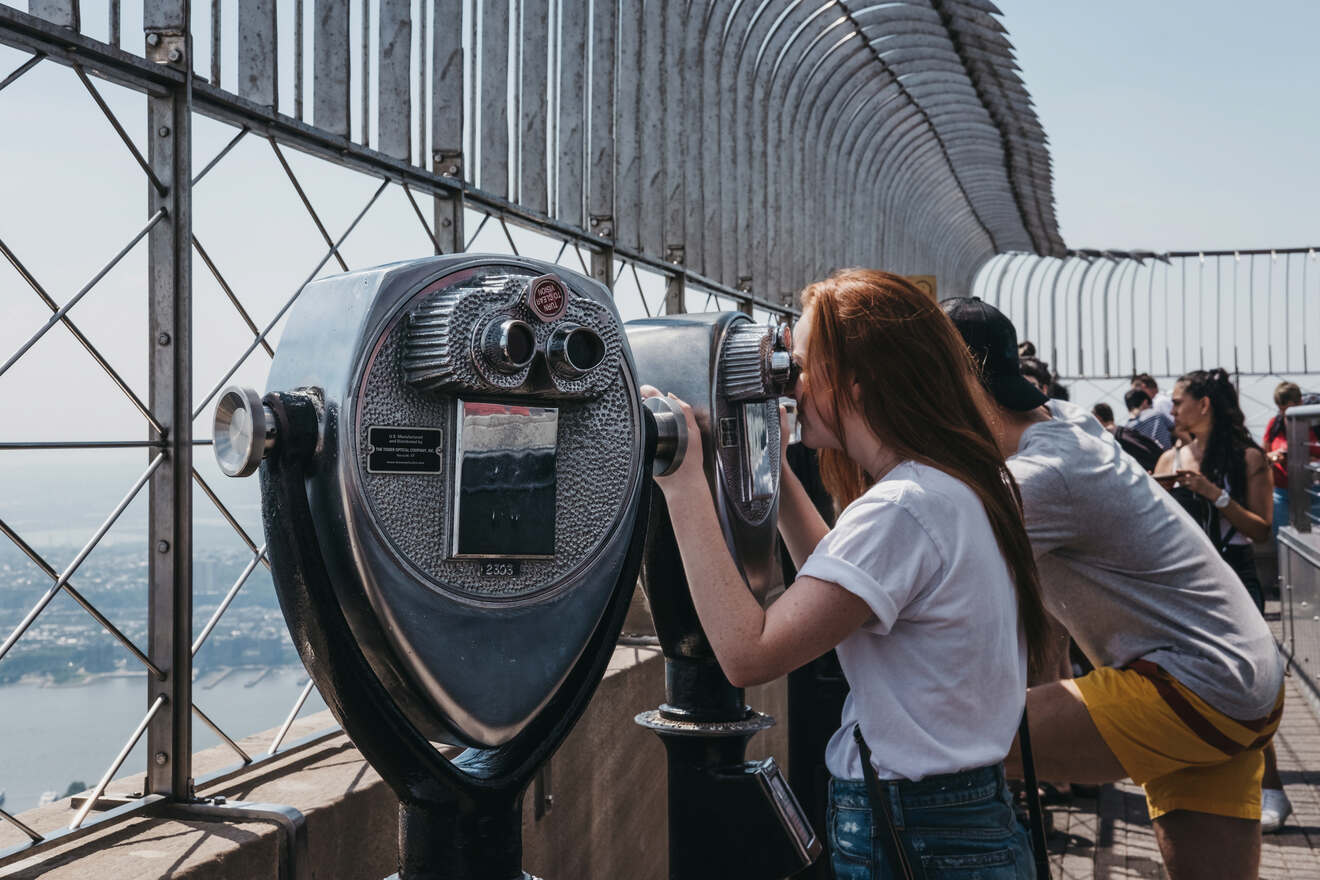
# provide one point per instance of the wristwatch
(1223, 500)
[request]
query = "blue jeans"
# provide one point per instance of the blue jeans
(958, 826)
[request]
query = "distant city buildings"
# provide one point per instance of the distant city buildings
(65, 644)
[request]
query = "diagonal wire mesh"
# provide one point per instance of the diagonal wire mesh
(82, 555)
(518, 232)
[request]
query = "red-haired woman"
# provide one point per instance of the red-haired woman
(926, 586)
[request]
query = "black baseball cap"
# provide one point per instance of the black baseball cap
(993, 341)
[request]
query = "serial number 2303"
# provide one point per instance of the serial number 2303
(498, 569)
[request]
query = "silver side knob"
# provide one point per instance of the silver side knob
(573, 350)
(243, 431)
(781, 370)
(780, 374)
(672, 441)
(508, 344)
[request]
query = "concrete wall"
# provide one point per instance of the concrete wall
(606, 818)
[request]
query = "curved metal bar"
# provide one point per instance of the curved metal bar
(999, 288)
(1100, 329)
(1269, 314)
(1026, 298)
(982, 282)
(1039, 301)
(1200, 301)
(1081, 358)
(1054, 310)
(1287, 311)
(1219, 312)
(1168, 360)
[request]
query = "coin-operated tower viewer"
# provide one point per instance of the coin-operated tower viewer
(455, 489)
(727, 817)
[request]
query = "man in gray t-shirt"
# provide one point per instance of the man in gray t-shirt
(1187, 688)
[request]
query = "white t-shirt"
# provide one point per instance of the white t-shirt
(939, 676)
(1162, 404)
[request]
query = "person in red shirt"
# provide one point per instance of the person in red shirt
(1286, 395)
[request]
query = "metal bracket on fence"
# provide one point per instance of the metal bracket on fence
(294, 862)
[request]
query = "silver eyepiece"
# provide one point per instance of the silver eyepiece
(508, 344)
(573, 350)
(243, 431)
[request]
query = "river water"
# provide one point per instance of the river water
(51, 736)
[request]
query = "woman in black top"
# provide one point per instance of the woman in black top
(1222, 479)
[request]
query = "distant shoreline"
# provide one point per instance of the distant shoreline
(205, 679)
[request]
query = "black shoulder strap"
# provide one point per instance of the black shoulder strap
(892, 843)
(881, 814)
(1033, 800)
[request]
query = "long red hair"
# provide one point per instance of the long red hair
(921, 397)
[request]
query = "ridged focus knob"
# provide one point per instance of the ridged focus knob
(756, 363)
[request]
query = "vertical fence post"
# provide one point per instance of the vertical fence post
(676, 285)
(602, 264)
(447, 122)
(169, 255)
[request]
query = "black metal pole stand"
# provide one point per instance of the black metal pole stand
(705, 725)
(461, 839)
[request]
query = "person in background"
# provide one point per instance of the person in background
(1286, 395)
(1221, 475)
(1026, 349)
(1037, 372)
(1161, 402)
(1188, 682)
(1221, 478)
(1145, 450)
(1145, 420)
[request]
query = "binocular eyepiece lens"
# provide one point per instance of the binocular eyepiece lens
(508, 344)
(573, 350)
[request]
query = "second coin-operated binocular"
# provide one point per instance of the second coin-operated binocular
(455, 468)
(727, 817)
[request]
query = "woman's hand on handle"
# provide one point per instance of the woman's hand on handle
(690, 474)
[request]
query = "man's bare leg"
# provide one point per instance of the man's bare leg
(1199, 846)
(1066, 745)
(1271, 778)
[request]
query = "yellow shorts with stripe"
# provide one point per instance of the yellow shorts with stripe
(1186, 754)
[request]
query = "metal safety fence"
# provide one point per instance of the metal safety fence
(1106, 314)
(690, 156)
(1299, 550)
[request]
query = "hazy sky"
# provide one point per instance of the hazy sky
(1178, 124)
(1173, 125)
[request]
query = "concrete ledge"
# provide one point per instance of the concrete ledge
(605, 819)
